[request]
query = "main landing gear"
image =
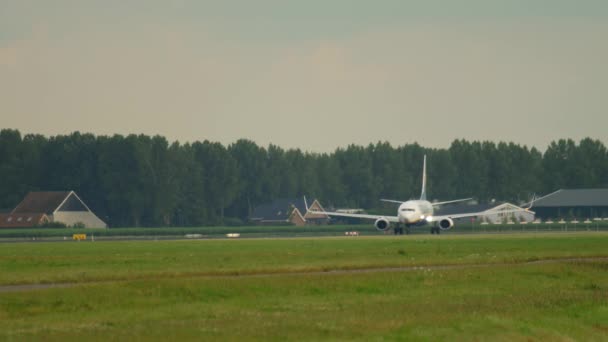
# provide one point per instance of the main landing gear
(435, 230)
(399, 229)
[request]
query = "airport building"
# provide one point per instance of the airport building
(39, 208)
(573, 203)
(288, 211)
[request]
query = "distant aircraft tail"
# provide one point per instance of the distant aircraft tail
(423, 193)
(531, 204)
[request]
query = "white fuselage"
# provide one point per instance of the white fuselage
(415, 212)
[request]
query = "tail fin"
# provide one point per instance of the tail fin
(423, 193)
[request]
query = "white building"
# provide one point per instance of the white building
(58, 206)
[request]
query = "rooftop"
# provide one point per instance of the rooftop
(278, 210)
(574, 198)
(41, 202)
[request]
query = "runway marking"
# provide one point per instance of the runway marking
(33, 287)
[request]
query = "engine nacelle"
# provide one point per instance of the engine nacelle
(382, 224)
(446, 224)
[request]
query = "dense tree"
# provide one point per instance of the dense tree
(558, 161)
(471, 169)
(252, 176)
(191, 208)
(140, 180)
(123, 175)
(220, 178)
(12, 184)
(442, 174)
(591, 164)
(332, 189)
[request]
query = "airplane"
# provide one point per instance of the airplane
(416, 213)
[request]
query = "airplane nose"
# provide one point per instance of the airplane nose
(407, 217)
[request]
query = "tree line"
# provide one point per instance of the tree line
(140, 180)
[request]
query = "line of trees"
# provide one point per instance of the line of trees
(139, 180)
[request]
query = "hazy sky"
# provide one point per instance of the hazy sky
(313, 74)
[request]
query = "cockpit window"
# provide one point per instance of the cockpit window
(407, 209)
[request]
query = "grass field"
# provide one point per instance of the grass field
(277, 289)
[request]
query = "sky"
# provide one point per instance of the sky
(314, 74)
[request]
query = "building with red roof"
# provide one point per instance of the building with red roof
(39, 208)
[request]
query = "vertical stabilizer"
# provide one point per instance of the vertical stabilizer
(423, 193)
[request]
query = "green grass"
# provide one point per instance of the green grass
(25, 263)
(188, 289)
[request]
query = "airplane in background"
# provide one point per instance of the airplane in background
(416, 213)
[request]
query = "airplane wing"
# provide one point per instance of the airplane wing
(481, 213)
(452, 201)
(361, 216)
(391, 201)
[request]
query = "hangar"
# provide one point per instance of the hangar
(51, 206)
(288, 211)
(573, 203)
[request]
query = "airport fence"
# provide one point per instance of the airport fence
(562, 226)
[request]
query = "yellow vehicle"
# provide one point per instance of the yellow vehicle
(78, 237)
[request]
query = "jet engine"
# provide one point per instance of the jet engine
(382, 224)
(446, 224)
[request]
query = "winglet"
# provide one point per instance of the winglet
(423, 193)
(306, 204)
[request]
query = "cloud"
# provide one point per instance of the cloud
(8, 56)
(527, 81)
(431, 83)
